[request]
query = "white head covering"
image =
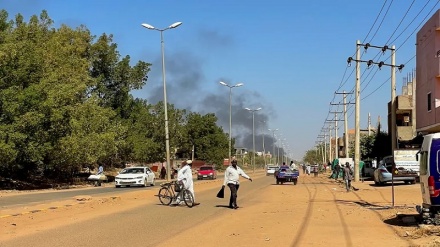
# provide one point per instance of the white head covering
(189, 162)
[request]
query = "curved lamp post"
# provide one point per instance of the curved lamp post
(273, 145)
(230, 113)
(264, 149)
(253, 134)
(167, 136)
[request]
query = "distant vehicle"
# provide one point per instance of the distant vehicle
(285, 174)
(383, 175)
(270, 169)
(206, 172)
(368, 169)
(135, 176)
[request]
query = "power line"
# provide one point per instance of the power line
(395, 30)
(380, 25)
(377, 17)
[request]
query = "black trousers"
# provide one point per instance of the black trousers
(233, 198)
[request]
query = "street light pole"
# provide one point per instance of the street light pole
(264, 148)
(273, 145)
(253, 134)
(278, 157)
(230, 114)
(167, 136)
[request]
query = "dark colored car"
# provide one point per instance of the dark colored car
(206, 172)
(285, 174)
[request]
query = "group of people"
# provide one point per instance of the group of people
(231, 179)
(307, 169)
(347, 174)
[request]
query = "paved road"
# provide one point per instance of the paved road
(147, 225)
(33, 198)
(49, 196)
(316, 212)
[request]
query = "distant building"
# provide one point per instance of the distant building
(342, 152)
(428, 76)
(405, 114)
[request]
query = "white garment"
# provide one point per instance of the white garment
(185, 175)
(232, 175)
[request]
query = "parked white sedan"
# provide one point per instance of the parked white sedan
(135, 176)
(383, 175)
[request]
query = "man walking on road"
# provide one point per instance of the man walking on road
(232, 176)
(348, 176)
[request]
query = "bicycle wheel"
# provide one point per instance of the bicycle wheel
(188, 198)
(165, 196)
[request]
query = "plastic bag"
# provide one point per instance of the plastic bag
(221, 193)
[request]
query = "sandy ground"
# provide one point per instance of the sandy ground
(316, 212)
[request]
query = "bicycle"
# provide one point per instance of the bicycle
(167, 193)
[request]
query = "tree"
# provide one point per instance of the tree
(312, 157)
(115, 78)
(366, 146)
(93, 137)
(209, 141)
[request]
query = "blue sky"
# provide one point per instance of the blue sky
(290, 55)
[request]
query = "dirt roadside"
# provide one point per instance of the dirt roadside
(317, 205)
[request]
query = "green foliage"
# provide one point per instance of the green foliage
(312, 157)
(382, 146)
(209, 141)
(65, 103)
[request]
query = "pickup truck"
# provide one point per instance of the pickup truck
(285, 174)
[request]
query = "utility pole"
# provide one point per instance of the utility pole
(273, 145)
(264, 148)
(347, 145)
(393, 99)
(330, 142)
(357, 113)
(369, 124)
(325, 146)
(393, 96)
(336, 131)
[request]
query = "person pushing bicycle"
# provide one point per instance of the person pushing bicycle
(184, 175)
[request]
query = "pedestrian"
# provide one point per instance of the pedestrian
(184, 175)
(337, 170)
(232, 177)
(304, 168)
(99, 174)
(308, 170)
(348, 176)
(163, 172)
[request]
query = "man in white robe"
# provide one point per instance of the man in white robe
(185, 175)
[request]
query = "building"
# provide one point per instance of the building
(428, 76)
(342, 152)
(405, 114)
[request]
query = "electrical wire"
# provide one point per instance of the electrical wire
(380, 25)
(342, 83)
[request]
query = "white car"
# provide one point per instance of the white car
(135, 176)
(270, 169)
(383, 175)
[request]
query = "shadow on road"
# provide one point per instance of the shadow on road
(365, 204)
(390, 184)
(404, 220)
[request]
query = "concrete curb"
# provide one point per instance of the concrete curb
(38, 210)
